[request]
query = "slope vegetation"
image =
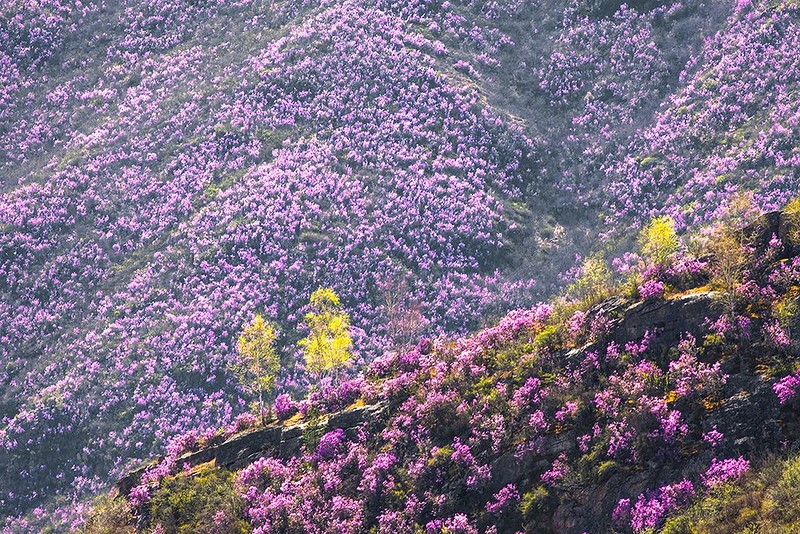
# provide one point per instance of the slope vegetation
(167, 169)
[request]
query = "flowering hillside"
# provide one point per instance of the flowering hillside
(558, 419)
(169, 169)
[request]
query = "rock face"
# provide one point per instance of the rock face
(749, 414)
(668, 320)
(750, 418)
(778, 224)
(274, 440)
(510, 467)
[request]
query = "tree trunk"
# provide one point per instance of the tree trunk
(261, 406)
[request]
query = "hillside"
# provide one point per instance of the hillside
(169, 169)
(614, 417)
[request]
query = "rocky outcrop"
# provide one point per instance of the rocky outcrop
(274, 440)
(667, 319)
(784, 226)
(749, 416)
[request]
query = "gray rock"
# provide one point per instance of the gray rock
(273, 440)
(668, 319)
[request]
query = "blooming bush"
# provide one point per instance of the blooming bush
(651, 289)
(285, 407)
(691, 377)
(722, 471)
(787, 388)
(649, 510)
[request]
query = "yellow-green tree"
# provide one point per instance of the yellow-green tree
(593, 283)
(659, 241)
(792, 212)
(731, 260)
(328, 346)
(259, 363)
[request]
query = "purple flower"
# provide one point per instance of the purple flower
(285, 407)
(329, 444)
(651, 289)
(722, 471)
(502, 499)
(787, 387)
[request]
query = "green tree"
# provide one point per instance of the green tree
(259, 363)
(731, 259)
(328, 346)
(792, 212)
(593, 283)
(659, 241)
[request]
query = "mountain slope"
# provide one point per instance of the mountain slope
(556, 419)
(168, 169)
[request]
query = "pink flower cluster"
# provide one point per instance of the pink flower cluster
(650, 509)
(722, 471)
(787, 388)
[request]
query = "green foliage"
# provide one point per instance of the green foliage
(549, 337)
(766, 502)
(606, 469)
(534, 502)
(782, 503)
(792, 211)
(110, 516)
(712, 340)
(659, 241)
(312, 433)
(440, 457)
(328, 346)
(594, 282)
(786, 310)
(205, 502)
(729, 265)
(259, 362)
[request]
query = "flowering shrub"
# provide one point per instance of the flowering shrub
(651, 289)
(329, 444)
(722, 471)
(714, 438)
(504, 498)
(691, 377)
(650, 509)
(285, 407)
(457, 408)
(558, 471)
(777, 335)
(787, 388)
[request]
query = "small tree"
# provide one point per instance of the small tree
(659, 241)
(328, 346)
(593, 282)
(729, 266)
(404, 319)
(259, 363)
